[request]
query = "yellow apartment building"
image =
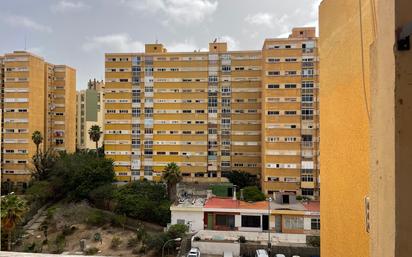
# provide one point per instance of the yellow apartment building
(205, 110)
(89, 108)
(31, 90)
(290, 120)
(366, 102)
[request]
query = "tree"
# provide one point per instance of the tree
(143, 200)
(241, 179)
(13, 209)
(77, 174)
(172, 176)
(253, 194)
(94, 134)
(37, 139)
(43, 164)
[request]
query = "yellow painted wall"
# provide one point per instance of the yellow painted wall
(344, 122)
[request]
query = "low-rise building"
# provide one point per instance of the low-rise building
(285, 215)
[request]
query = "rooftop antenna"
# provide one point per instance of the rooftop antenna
(25, 42)
(214, 41)
(156, 40)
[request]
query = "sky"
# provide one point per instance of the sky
(78, 32)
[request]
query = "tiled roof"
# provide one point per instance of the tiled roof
(219, 202)
(312, 206)
(253, 205)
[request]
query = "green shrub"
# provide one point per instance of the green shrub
(132, 242)
(253, 194)
(313, 241)
(68, 230)
(242, 239)
(177, 230)
(58, 244)
(91, 251)
(118, 220)
(95, 218)
(116, 242)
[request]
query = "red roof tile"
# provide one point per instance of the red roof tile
(217, 202)
(312, 206)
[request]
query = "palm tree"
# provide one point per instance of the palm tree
(13, 209)
(94, 134)
(172, 176)
(37, 139)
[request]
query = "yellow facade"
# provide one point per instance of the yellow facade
(204, 111)
(290, 124)
(29, 85)
(366, 126)
(345, 125)
(89, 108)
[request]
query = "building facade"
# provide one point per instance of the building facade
(39, 96)
(90, 108)
(366, 102)
(205, 110)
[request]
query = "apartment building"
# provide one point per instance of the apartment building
(39, 96)
(290, 122)
(204, 111)
(89, 110)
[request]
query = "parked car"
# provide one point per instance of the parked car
(295, 256)
(194, 252)
(280, 255)
(261, 253)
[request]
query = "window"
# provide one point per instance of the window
(293, 223)
(225, 220)
(273, 73)
(290, 112)
(290, 85)
(273, 86)
(273, 60)
(250, 221)
(315, 224)
(273, 113)
(307, 178)
(307, 191)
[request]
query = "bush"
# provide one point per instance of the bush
(132, 242)
(68, 230)
(95, 218)
(76, 175)
(196, 238)
(242, 239)
(58, 244)
(91, 251)
(32, 248)
(313, 241)
(144, 200)
(177, 231)
(118, 220)
(253, 194)
(116, 242)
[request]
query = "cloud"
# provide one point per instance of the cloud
(113, 43)
(25, 22)
(232, 43)
(180, 11)
(266, 19)
(65, 5)
(186, 46)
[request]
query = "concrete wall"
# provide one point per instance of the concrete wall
(344, 122)
(195, 219)
(249, 250)
(403, 137)
(217, 248)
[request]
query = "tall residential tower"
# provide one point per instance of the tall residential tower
(38, 96)
(217, 111)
